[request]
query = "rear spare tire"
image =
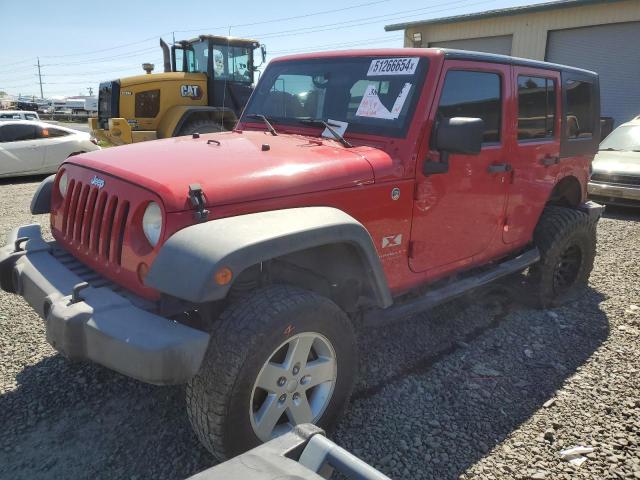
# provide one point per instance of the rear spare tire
(281, 357)
(566, 239)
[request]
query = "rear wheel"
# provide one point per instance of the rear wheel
(281, 357)
(201, 126)
(566, 239)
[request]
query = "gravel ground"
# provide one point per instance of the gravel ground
(483, 387)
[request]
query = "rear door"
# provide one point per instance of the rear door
(458, 214)
(59, 144)
(536, 151)
(20, 149)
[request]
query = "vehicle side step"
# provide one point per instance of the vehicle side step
(380, 317)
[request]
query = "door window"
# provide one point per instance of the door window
(536, 107)
(579, 109)
(18, 133)
(49, 132)
(473, 94)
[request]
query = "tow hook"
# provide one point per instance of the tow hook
(75, 294)
(196, 196)
(17, 245)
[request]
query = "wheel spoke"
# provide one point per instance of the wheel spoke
(267, 417)
(268, 379)
(298, 353)
(319, 371)
(299, 411)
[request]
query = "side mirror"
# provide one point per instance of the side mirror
(263, 50)
(455, 135)
(460, 135)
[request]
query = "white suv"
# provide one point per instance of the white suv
(18, 115)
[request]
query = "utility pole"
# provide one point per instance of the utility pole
(90, 91)
(173, 35)
(40, 79)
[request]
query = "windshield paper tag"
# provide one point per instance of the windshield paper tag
(338, 126)
(393, 66)
(371, 106)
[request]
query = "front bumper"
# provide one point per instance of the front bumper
(120, 132)
(99, 324)
(612, 193)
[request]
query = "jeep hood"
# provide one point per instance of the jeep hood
(244, 166)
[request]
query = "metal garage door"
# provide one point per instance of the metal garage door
(501, 44)
(611, 50)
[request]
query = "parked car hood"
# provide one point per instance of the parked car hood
(244, 166)
(625, 163)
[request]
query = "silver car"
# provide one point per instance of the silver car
(616, 167)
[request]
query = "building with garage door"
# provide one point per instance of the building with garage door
(598, 35)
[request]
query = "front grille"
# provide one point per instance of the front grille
(94, 222)
(616, 179)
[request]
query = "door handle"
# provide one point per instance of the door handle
(499, 168)
(549, 160)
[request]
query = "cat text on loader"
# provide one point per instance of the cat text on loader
(204, 87)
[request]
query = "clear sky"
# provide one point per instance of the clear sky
(81, 43)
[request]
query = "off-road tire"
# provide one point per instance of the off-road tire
(244, 337)
(566, 239)
(201, 126)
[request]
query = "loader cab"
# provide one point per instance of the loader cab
(228, 63)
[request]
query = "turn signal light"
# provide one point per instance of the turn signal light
(223, 276)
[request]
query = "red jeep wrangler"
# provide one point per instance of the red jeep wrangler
(362, 185)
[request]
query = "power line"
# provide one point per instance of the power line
(17, 63)
(363, 21)
(98, 60)
(366, 41)
(283, 19)
(106, 49)
(138, 42)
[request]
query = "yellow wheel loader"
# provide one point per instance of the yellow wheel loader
(205, 85)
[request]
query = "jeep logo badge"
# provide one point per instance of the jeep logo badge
(194, 92)
(97, 181)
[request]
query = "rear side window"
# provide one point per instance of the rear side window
(30, 116)
(536, 107)
(18, 133)
(579, 114)
(147, 104)
(473, 94)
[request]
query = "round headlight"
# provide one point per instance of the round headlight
(152, 223)
(63, 183)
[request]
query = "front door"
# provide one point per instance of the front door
(458, 214)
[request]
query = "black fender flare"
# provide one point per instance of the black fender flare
(187, 262)
(41, 200)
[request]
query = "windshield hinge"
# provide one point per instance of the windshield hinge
(196, 196)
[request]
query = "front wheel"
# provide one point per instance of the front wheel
(281, 357)
(566, 239)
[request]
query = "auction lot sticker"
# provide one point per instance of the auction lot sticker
(393, 66)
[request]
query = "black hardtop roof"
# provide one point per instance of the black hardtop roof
(453, 54)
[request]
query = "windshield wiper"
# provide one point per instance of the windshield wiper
(266, 122)
(329, 127)
(609, 149)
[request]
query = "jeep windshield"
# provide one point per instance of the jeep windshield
(371, 95)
